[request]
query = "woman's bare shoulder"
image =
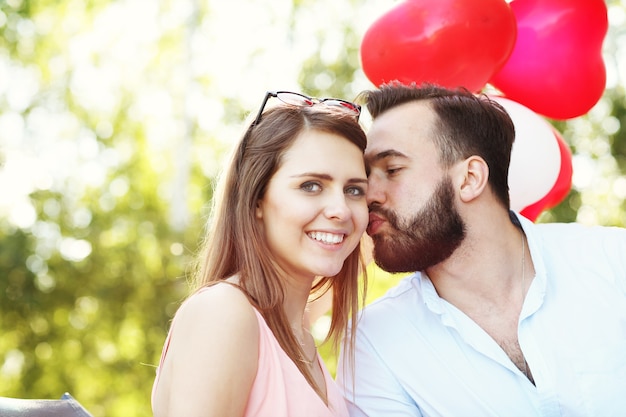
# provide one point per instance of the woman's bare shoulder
(220, 305)
(215, 347)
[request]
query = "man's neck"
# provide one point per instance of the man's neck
(486, 270)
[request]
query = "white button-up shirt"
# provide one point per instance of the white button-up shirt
(418, 355)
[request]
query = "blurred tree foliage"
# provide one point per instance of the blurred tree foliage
(90, 280)
(87, 289)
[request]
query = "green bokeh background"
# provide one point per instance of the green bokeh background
(89, 284)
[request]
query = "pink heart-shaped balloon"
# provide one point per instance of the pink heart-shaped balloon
(448, 42)
(556, 68)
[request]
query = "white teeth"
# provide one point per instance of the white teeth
(326, 237)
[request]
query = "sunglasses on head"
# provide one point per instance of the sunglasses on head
(297, 99)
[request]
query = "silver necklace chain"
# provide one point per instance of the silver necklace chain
(526, 370)
(302, 343)
(523, 267)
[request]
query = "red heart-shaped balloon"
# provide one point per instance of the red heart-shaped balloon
(448, 42)
(556, 68)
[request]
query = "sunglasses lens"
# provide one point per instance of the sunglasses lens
(344, 104)
(294, 99)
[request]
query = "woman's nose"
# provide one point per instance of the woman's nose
(337, 208)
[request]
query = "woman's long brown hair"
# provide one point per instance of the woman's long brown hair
(235, 245)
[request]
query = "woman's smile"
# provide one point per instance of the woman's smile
(326, 237)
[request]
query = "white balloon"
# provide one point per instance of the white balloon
(535, 158)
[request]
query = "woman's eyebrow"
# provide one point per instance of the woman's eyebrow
(327, 177)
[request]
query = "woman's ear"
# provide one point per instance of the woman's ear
(258, 211)
(474, 178)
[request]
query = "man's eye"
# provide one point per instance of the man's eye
(393, 171)
(311, 186)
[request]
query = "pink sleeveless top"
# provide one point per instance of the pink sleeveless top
(279, 388)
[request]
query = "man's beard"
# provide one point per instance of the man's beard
(430, 237)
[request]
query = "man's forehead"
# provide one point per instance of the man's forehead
(394, 132)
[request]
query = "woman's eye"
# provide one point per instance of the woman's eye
(355, 191)
(393, 171)
(311, 187)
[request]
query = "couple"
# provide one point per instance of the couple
(506, 318)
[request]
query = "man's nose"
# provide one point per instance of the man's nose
(375, 190)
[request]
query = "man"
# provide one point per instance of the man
(506, 318)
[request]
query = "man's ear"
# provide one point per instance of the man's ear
(474, 177)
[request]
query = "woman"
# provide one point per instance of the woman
(286, 224)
